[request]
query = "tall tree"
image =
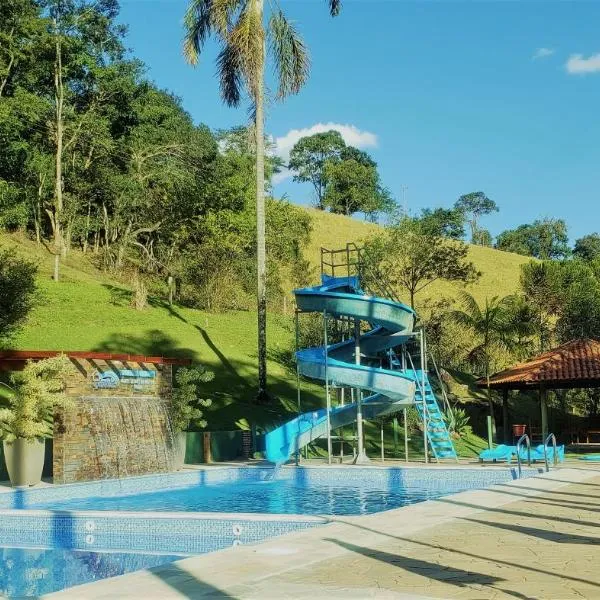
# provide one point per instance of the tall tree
(545, 239)
(443, 222)
(474, 206)
(413, 260)
(587, 247)
(353, 185)
(239, 26)
(84, 39)
(309, 156)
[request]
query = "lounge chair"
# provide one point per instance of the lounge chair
(500, 452)
(591, 457)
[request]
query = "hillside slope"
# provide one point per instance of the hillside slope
(500, 270)
(88, 310)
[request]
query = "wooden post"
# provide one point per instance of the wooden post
(505, 425)
(544, 412)
(206, 447)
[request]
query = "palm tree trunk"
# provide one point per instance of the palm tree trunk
(260, 233)
(58, 156)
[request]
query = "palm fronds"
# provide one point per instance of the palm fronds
(291, 60)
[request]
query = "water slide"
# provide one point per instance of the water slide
(390, 389)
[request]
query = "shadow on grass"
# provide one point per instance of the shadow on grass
(153, 342)
(233, 395)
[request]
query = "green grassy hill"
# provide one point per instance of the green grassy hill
(88, 310)
(500, 270)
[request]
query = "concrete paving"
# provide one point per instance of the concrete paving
(533, 538)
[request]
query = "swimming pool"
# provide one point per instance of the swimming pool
(63, 535)
(302, 491)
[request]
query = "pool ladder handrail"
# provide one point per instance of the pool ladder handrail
(554, 456)
(523, 438)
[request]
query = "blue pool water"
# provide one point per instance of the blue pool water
(274, 497)
(33, 572)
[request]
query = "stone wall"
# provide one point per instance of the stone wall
(118, 424)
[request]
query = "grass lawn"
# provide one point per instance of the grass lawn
(88, 310)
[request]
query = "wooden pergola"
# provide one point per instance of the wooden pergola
(575, 364)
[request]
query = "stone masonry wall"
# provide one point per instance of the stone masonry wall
(118, 425)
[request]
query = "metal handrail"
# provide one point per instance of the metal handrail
(525, 438)
(554, 455)
(447, 405)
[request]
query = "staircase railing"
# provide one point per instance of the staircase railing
(523, 438)
(447, 406)
(552, 438)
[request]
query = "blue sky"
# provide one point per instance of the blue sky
(449, 97)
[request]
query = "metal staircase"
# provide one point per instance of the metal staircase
(438, 435)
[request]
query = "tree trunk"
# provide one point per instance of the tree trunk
(86, 233)
(58, 188)
(260, 230)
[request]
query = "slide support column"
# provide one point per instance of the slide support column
(327, 394)
(423, 397)
(297, 455)
(361, 457)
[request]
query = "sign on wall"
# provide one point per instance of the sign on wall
(136, 380)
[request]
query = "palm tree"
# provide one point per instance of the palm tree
(492, 327)
(242, 28)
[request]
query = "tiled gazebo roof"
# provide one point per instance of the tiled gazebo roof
(575, 364)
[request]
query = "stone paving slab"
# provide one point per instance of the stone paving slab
(534, 538)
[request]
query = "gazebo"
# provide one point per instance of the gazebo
(575, 364)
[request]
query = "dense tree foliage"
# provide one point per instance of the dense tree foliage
(545, 239)
(345, 179)
(17, 290)
(135, 183)
(587, 247)
(443, 222)
(309, 157)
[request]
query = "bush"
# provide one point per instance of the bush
(17, 290)
(38, 390)
(185, 404)
(457, 422)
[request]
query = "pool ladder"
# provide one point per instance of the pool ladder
(525, 438)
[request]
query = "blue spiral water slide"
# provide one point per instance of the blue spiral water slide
(391, 390)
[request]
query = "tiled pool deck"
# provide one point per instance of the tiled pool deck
(534, 538)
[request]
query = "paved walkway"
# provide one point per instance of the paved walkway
(535, 538)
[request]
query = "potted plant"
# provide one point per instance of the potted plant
(37, 391)
(185, 408)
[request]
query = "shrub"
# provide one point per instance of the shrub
(17, 290)
(457, 422)
(185, 403)
(38, 390)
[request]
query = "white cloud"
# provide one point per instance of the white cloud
(543, 53)
(352, 135)
(578, 65)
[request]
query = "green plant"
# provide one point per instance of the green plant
(185, 403)
(38, 390)
(457, 421)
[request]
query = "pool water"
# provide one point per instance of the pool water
(274, 497)
(32, 572)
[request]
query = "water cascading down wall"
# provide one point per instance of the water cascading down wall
(118, 425)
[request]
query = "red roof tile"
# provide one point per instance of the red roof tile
(574, 364)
